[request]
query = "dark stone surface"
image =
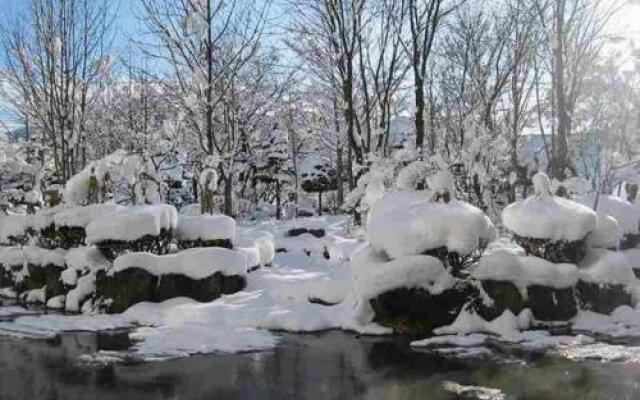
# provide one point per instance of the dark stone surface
(318, 233)
(111, 249)
(135, 285)
(545, 303)
(189, 244)
(553, 251)
(602, 298)
(629, 241)
(6, 277)
(417, 311)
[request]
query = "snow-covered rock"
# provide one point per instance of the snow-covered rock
(205, 228)
(133, 223)
(408, 223)
(261, 240)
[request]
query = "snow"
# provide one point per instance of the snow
(473, 339)
(196, 263)
(205, 227)
(82, 216)
(86, 258)
(626, 214)
(17, 256)
(524, 271)
(133, 223)
(373, 276)
(607, 267)
(407, 223)
(35, 295)
(506, 325)
(12, 225)
(56, 303)
(606, 235)
(544, 216)
(85, 287)
(261, 240)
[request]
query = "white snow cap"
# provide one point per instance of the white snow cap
(261, 240)
(407, 223)
(205, 227)
(602, 266)
(198, 263)
(441, 181)
(544, 216)
(627, 214)
(82, 216)
(133, 223)
(524, 271)
(16, 256)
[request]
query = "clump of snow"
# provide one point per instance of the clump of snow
(607, 233)
(56, 303)
(473, 339)
(441, 181)
(506, 325)
(544, 216)
(85, 287)
(35, 295)
(205, 227)
(607, 267)
(133, 223)
(525, 271)
(82, 216)
(253, 255)
(87, 258)
(261, 240)
(16, 256)
(196, 263)
(627, 214)
(408, 223)
(12, 225)
(373, 276)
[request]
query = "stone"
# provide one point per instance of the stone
(602, 298)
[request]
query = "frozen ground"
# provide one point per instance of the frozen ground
(306, 292)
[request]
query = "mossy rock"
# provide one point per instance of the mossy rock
(550, 304)
(554, 251)
(629, 241)
(159, 245)
(318, 233)
(602, 298)
(40, 276)
(134, 285)
(505, 296)
(190, 244)
(545, 303)
(417, 311)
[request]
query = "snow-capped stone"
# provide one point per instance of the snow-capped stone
(408, 223)
(205, 227)
(133, 223)
(544, 216)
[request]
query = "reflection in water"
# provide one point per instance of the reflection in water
(330, 365)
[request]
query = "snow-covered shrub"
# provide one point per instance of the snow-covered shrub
(141, 228)
(549, 226)
(33, 268)
(205, 231)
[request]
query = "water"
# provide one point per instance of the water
(324, 366)
(328, 365)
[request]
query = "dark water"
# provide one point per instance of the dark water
(330, 365)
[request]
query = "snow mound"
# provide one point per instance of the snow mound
(198, 263)
(506, 325)
(86, 259)
(16, 256)
(607, 233)
(205, 227)
(544, 216)
(407, 223)
(373, 275)
(82, 216)
(261, 240)
(525, 271)
(12, 225)
(627, 214)
(133, 223)
(607, 267)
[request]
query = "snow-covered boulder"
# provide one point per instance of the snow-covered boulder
(513, 282)
(205, 231)
(412, 294)
(79, 278)
(627, 216)
(606, 235)
(261, 240)
(141, 228)
(606, 281)
(202, 274)
(407, 223)
(549, 226)
(14, 229)
(29, 268)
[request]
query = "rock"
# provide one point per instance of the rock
(135, 285)
(629, 241)
(602, 298)
(190, 244)
(417, 311)
(111, 249)
(48, 275)
(318, 233)
(545, 303)
(553, 251)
